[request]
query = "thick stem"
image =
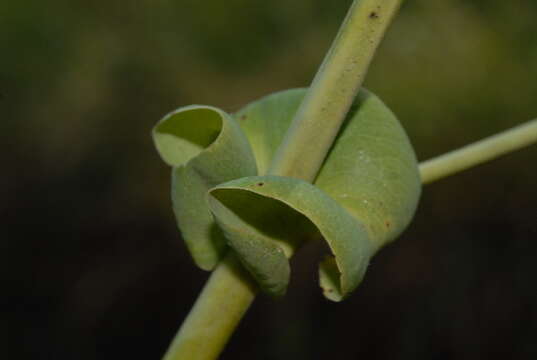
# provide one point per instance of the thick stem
(215, 315)
(479, 152)
(229, 292)
(333, 90)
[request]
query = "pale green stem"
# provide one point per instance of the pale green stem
(220, 306)
(479, 152)
(229, 292)
(319, 117)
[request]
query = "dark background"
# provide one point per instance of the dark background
(94, 265)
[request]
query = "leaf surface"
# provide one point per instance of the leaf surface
(205, 147)
(363, 197)
(307, 208)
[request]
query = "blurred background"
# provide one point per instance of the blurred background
(94, 265)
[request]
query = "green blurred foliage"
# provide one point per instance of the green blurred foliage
(74, 73)
(91, 238)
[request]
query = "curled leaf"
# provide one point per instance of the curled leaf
(205, 147)
(364, 196)
(372, 170)
(347, 238)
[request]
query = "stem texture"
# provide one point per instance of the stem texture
(215, 315)
(319, 117)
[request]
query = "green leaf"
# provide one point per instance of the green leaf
(372, 170)
(266, 121)
(205, 147)
(364, 196)
(247, 226)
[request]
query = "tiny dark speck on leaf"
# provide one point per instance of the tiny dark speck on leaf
(373, 15)
(388, 224)
(243, 117)
(260, 184)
